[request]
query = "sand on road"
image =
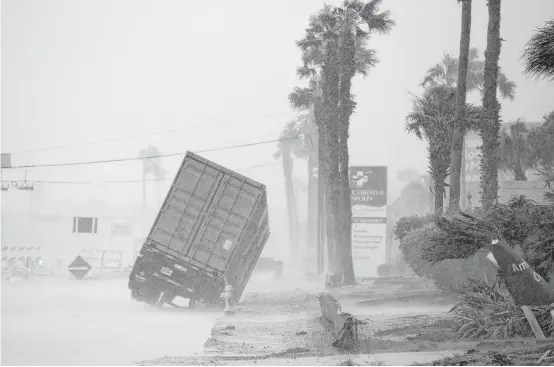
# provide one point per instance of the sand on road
(94, 322)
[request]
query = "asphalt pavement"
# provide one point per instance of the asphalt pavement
(49, 321)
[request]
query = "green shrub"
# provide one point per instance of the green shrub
(405, 225)
(521, 222)
(449, 274)
(450, 250)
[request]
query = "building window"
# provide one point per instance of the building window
(85, 225)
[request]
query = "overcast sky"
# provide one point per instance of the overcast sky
(193, 75)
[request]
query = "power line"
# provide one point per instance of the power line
(153, 156)
(159, 132)
(125, 181)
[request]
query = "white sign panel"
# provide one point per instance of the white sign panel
(369, 245)
(368, 185)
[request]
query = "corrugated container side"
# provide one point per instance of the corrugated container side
(214, 219)
(255, 236)
(184, 206)
(221, 233)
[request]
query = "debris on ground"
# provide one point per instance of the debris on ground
(530, 356)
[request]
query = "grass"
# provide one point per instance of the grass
(490, 313)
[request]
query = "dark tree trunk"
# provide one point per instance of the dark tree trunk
(327, 223)
(491, 127)
(289, 192)
(330, 84)
(324, 236)
(458, 132)
(438, 188)
(346, 107)
(519, 174)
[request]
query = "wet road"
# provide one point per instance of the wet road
(69, 322)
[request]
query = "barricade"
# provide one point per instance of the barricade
(28, 257)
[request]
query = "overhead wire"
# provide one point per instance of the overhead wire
(159, 132)
(116, 160)
(124, 181)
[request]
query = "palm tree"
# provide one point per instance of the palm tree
(490, 129)
(354, 57)
(303, 147)
(336, 43)
(459, 115)
(288, 147)
(151, 165)
(541, 141)
(515, 152)
(320, 61)
(446, 73)
(431, 120)
(538, 55)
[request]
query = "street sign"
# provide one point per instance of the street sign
(79, 268)
(526, 286)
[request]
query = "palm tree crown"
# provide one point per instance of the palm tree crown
(446, 73)
(538, 55)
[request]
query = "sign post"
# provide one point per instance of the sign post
(368, 198)
(526, 286)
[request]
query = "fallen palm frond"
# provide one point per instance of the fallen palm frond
(485, 312)
(459, 237)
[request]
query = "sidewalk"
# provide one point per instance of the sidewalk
(287, 327)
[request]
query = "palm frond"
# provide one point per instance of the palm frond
(415, 122)
(305, 72)
(302, 98)
(380, 22)
(365, 60)
(538, 55)
(506, 87)
(434, 73)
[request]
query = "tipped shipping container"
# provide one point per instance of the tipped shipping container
(210, 232)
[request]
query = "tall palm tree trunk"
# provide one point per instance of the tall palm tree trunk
(438, 188)
(491, 128)
(289, 192)
(348, 69)
(330, 79)
(326, 221)
(312, 201)
(459, 117)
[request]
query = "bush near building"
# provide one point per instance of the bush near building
(451, 252)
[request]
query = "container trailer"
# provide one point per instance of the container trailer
(209, 233)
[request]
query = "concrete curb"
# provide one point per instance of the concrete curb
(407, 296)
